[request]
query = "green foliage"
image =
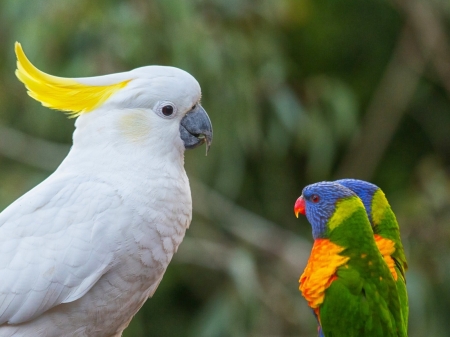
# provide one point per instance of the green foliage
(298, 91)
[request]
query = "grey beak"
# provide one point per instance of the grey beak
(196, 128)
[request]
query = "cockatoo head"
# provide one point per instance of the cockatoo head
(144, 105)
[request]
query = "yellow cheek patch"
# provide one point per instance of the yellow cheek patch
(344, 209)
(320, 271)
(379, 207)
(61, 93)
(135, 125)
(387, 248)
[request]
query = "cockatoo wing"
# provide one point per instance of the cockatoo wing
(55, 244)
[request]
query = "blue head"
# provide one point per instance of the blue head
(364, 190)
(318, 203)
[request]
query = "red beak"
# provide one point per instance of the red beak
(299, 206)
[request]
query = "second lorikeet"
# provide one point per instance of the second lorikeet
(346, 282)
(386, 232)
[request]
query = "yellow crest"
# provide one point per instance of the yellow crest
(60, 93)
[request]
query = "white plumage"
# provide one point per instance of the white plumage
(81, 252)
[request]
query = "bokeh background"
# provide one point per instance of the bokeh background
(298, 91)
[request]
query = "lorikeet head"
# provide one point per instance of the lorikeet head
(381, 217)
(318, 203)
(364, 190)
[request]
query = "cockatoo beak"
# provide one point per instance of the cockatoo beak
(299, 206)
(196, 128)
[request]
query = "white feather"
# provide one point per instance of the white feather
(81, 252)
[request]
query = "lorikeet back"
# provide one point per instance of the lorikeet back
(386, 232)
(346, 282)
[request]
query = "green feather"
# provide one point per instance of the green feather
(385, 224)
(363, 300)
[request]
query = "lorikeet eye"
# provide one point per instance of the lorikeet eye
(315, 198)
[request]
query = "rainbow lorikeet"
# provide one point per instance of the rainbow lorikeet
(386, 232)
(346, 282)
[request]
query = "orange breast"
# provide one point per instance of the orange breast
(320, 271)
(387, 248)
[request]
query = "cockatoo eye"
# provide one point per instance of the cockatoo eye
(315, 198)
(165, 109)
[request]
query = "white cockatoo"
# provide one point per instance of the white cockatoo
(81, 252)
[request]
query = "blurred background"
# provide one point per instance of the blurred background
(298, 91)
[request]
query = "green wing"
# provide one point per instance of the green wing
(363, 300)
(355, 306)
(385, 224)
